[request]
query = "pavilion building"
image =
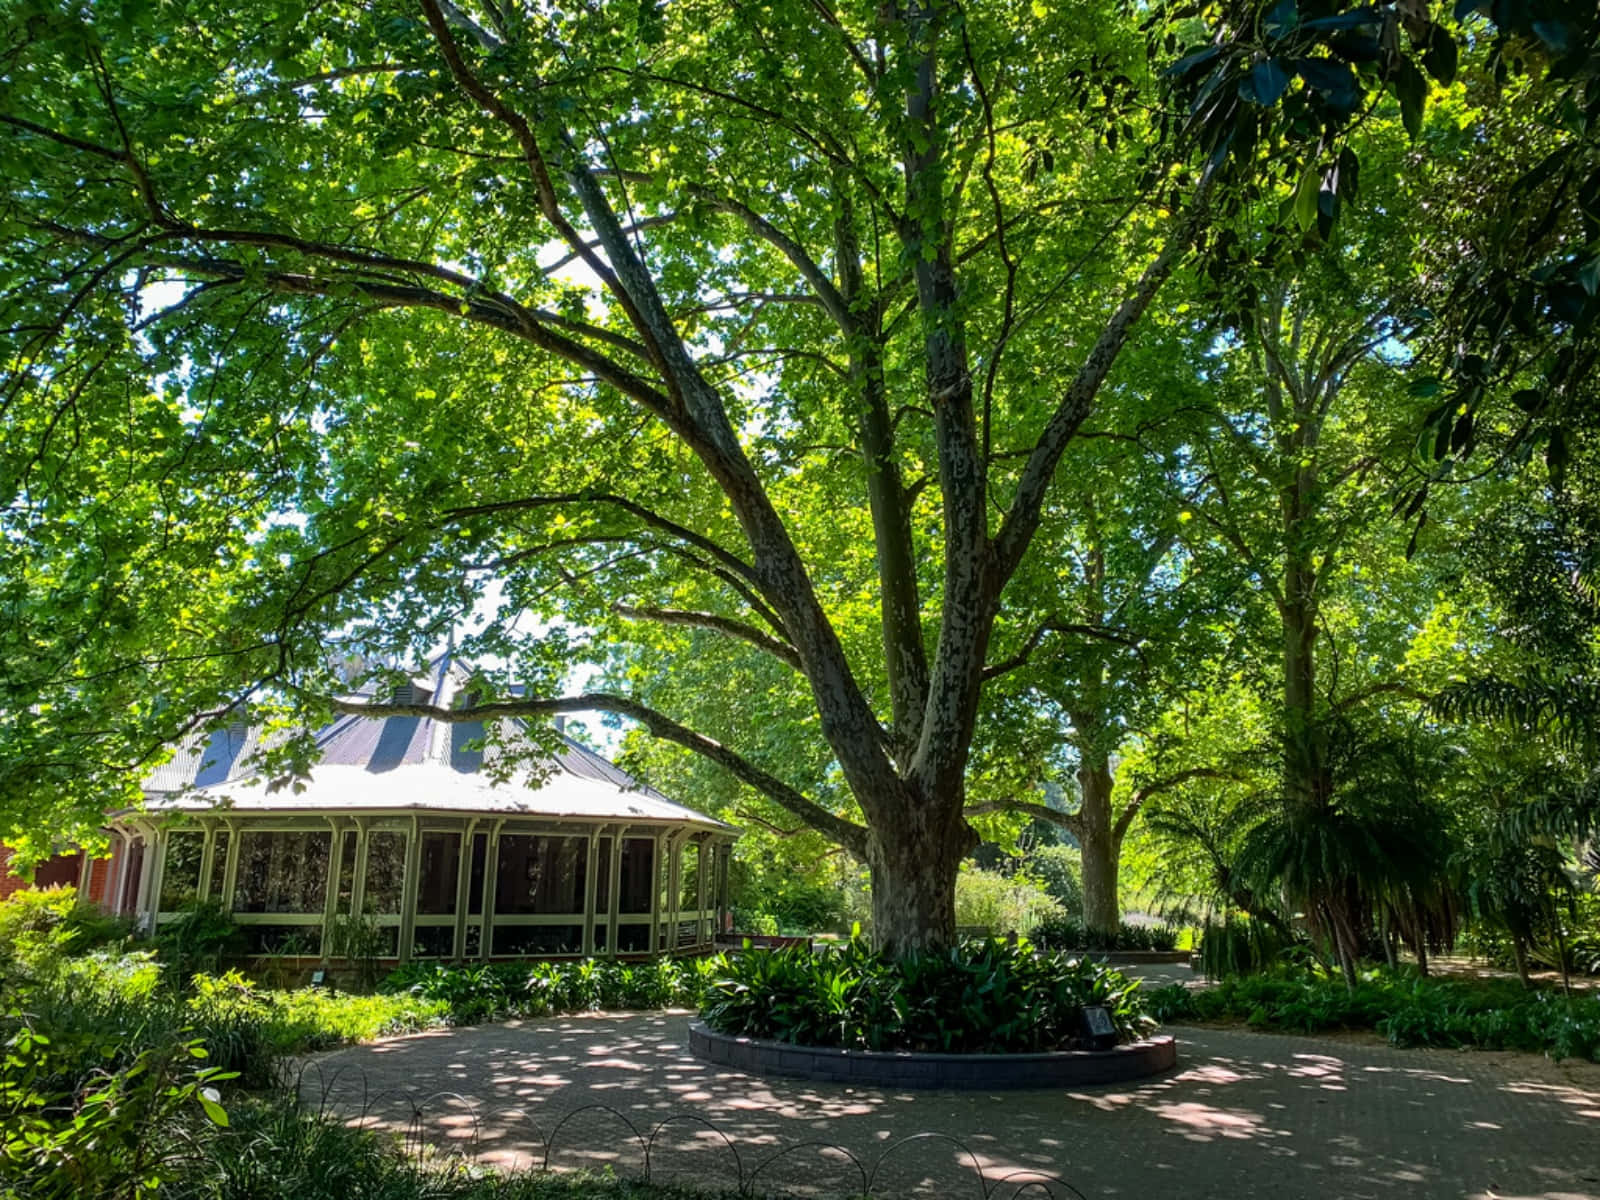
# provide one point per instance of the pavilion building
(419, 839)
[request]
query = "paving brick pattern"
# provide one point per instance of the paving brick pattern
(1245, 1115)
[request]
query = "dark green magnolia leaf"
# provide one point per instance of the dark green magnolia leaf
(1348, 174)
(1265, 84)
(1327, 212)
(1529, 400)
(1190, 63)
(1411, 89)
(1334, 81)
(1589, 275)
(1356, 18)
(1305, 197)
(1440, 58)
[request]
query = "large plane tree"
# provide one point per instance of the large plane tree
(319, 317)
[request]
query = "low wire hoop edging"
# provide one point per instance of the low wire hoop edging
(415, 1114)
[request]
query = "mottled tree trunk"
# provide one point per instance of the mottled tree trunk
(1100, 849)
(914, 884)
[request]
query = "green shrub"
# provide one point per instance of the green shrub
(1407, 1010)
(1059, 869)
(89, 1115)
(983, 997)
(494, 990)
(1001, 903)
(197, 940)
(40, 928)
(1064, 933)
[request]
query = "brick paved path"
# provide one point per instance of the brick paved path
(1245, 1115)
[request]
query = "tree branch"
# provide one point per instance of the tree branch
(1022, 520)
(707, 620)
(848, 834)
(1056, 625)
(1140, 795)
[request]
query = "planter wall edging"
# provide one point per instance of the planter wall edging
(909, 1069)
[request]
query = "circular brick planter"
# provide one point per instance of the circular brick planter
(909, 1069)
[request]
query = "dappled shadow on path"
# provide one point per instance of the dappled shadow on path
(1245, 1115)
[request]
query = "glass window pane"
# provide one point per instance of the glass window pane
(135, 868)
(440, 870)
(538, 939)
(480, 861)
(638, 878)
(386, 872)
(219, 866)
(540, 875)
(180, 877)
(347, 872)
(602, 878)
(433, 941)
(282, 872)
(633, 939)
(689, 878)
(292, 941)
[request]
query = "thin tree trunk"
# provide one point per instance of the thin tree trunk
(1520, 953)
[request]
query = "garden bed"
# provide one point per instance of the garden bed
(914, 1069)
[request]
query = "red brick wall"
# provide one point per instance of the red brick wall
(63, 869)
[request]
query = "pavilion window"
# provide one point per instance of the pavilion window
(347, 872)
(479, 867)
(535, 874)
(133, 868)
(638, 875)
(282, 872)
(689, 878)
(180, 876)
(219, 867)
(386, 872)
(440, 871)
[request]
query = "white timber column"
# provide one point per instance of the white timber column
(330, 896)
(614, 900)
(674, 890)
(208, 854)
(230, 869)
(657, 866)
(408, 890)
(469, 830)
(358, 885)
(707, 868)
(491, 870)
(143, 903)
(119, 877)
(85, 875)
(590, 882)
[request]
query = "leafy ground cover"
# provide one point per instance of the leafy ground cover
(1408, 1010)
(982, 997)
(119, 1080)
(495, 991)
(1064, 933)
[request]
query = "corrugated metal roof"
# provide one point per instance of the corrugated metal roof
(415, 763)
